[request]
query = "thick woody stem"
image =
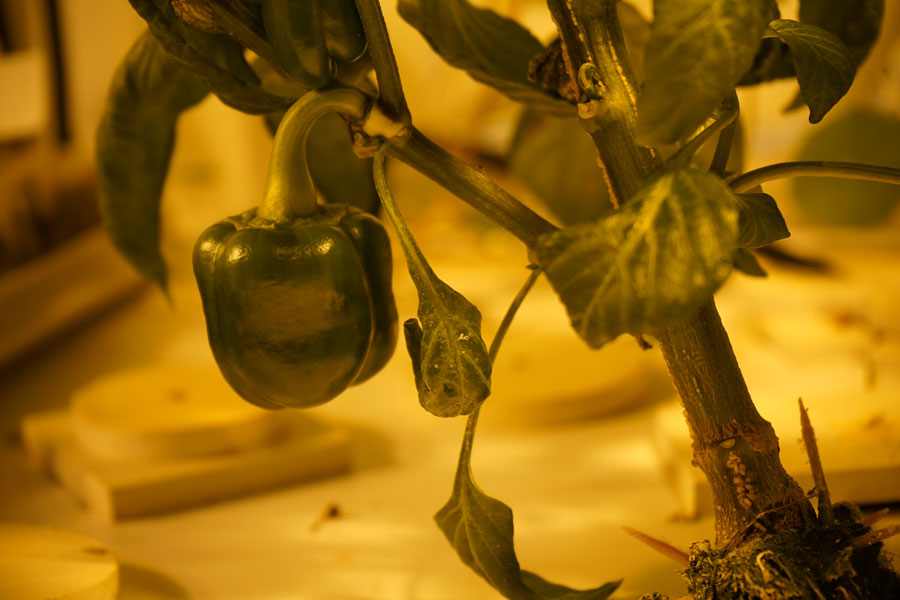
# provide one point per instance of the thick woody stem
(733, 445)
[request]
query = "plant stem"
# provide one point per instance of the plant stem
(575, 52)
(390, 89)
(722, 124)
(734, 446)
(593, 34)
(290, 192)
(419, 269)
(470, 184)
(841, 170)
(244, 27)
(533, 275)
(465, 453)
(726, 140)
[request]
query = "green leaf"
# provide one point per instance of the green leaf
(698, 51)
(493, 49)
(216, 59)
(760, 223)
(653, 262)
(450, 359)
(454, 372)
(746, 263)
(135, 137)
(824, 66)
(480, 529)
(557, 160)
(856, 22)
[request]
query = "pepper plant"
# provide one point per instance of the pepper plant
(642, 258)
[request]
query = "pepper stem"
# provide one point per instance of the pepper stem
(290, 192)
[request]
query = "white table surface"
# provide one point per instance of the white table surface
(572, 487)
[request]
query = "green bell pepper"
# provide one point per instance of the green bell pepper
(297, 312)
(297, 295)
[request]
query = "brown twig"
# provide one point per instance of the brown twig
(660, 546)
(826, 514)
(872, 519)
(867, 539)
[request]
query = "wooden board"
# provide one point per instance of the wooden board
(166, 437)
(116, 489)
(167, 411)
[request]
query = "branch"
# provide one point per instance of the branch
(842, 170)
(692, 146)
(469, 184)
(389, 87)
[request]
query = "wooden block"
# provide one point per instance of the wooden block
(38, 563)
(165, 438)
(167, 411)
(118, 489)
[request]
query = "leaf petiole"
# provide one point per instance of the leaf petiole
(379, 47)
(728, 117)
(726, 140)
(841, 170)
(465, 453)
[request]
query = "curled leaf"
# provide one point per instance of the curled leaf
(760, 222)
(480, 528)
(134, 144)
(450, 359)
(451, 362)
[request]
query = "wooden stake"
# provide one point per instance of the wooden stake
(875, 517)
(660, 546)
(867, 539)
(826, 515)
